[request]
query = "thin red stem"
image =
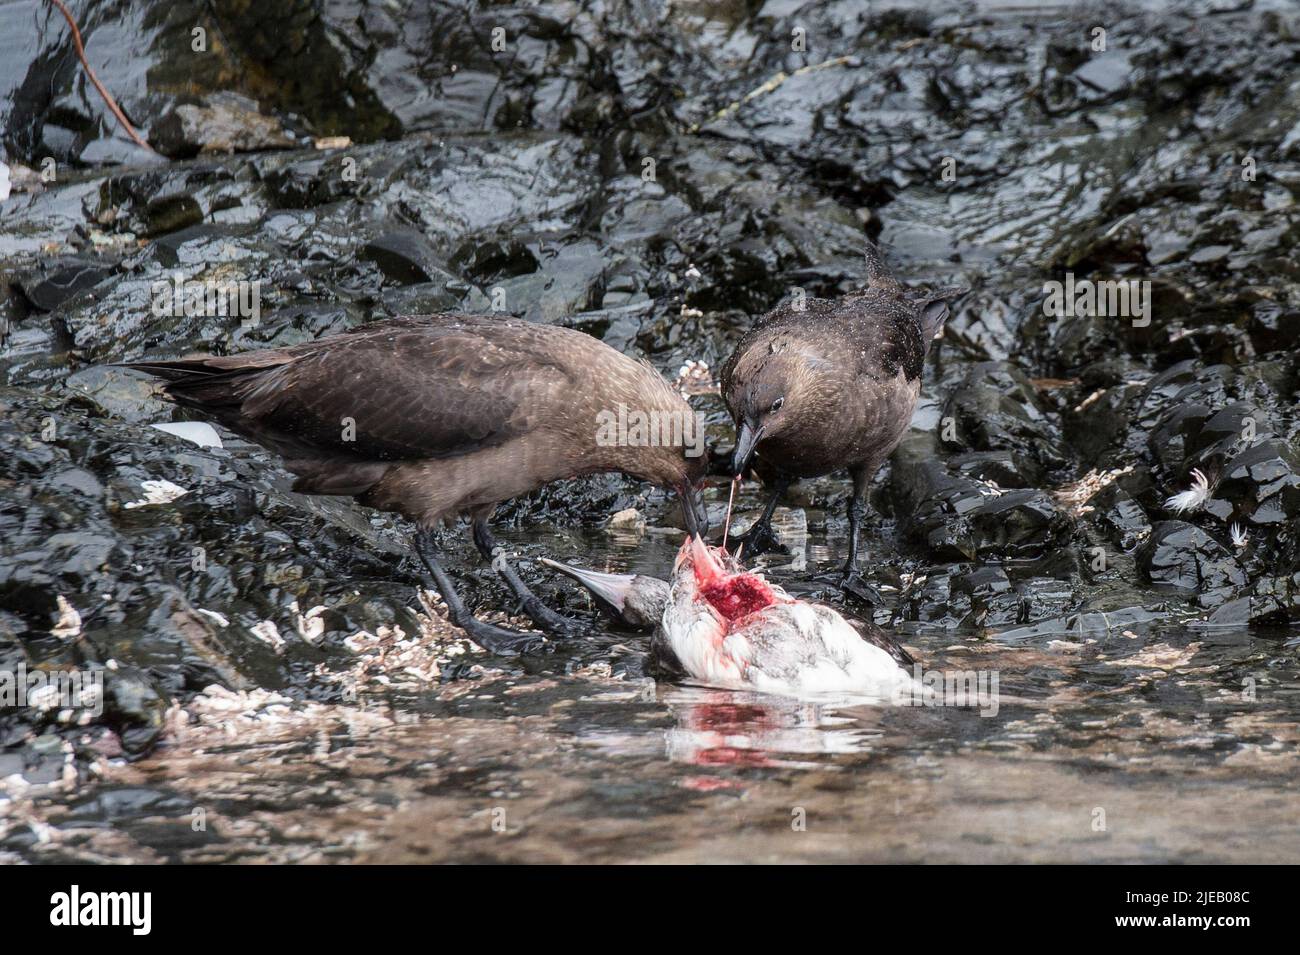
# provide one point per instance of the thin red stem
(108, 99)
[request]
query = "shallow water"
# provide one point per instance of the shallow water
(1135, 746)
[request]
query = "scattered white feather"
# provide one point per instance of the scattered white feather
(220, 619)
(44, 697)
(1076, 495)
(196, 432)
(269, 633)
(310, 625)
(158, 492)
(1192, 498)
(1089, 400)
(69, 622)
(389, 658)
(695, 378)
(1239, 537)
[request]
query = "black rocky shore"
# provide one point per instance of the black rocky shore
(657, 176)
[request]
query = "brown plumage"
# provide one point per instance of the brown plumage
(829, 387)
(440, 416)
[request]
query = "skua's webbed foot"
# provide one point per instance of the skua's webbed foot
(494, 639)
(555, 624)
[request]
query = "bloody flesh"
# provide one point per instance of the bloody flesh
(737, 596)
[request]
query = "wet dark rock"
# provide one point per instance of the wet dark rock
(1263, 483)
(196, 245)
(1178, 428)
(1273, 326)
(1016, 524)
(993, 603)
(1192, 411)
(423, 298)
(957, 521)
(1101, 623)
(1045, 598)
(487, 261)
(1181, 556)
(954, 515)
(932, 601)
(172, 213)
(935, 506)
(134, 709)
(405, 257)
(1224, 433)
(1099, 426)
(1078, 341)
(1234, 613)
(1003, 468)
(1108, 73)
(293, 324)
(121, 803)
(54, 282)
(1121, 516)
(166, 198)
(997, 409)
(321, 178)
(1276, 599)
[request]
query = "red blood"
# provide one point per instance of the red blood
(738, 596)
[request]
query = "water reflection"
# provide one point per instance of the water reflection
(735, 729)
(592, 765)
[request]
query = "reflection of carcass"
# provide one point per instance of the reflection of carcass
(735, 728)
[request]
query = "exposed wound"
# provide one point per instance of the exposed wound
(738, 596)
